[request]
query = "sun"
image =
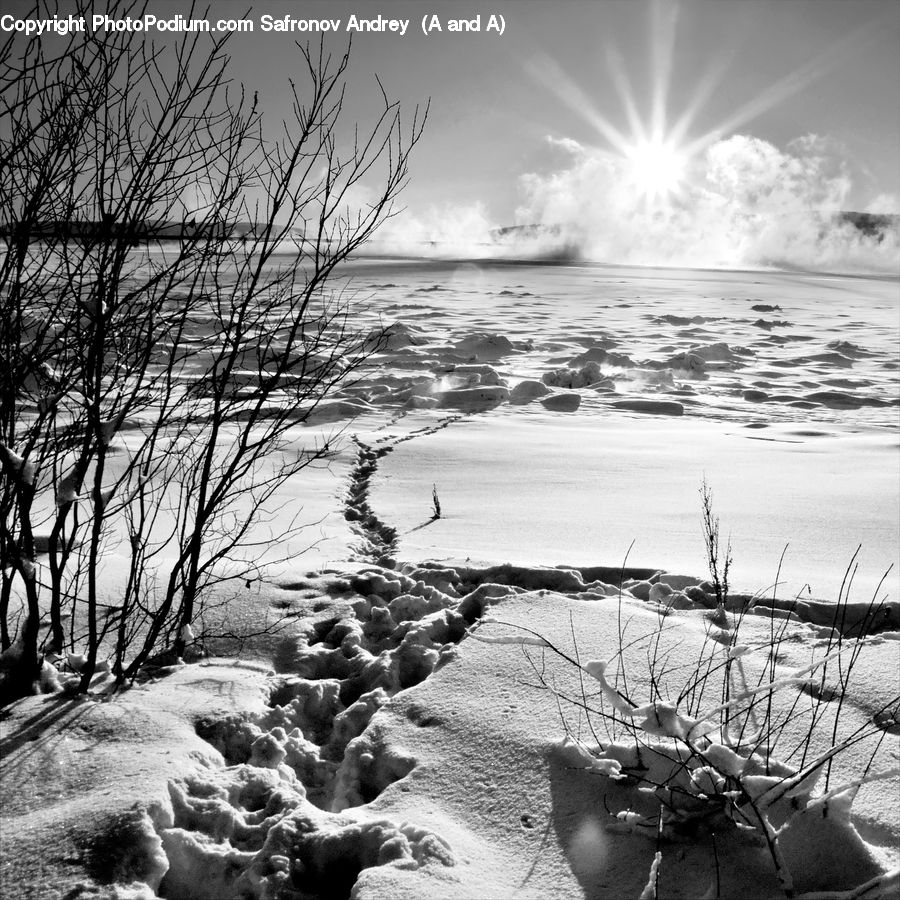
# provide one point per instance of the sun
(656, 168)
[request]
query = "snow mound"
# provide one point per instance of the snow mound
(484, 346)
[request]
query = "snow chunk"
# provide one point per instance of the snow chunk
(528, 390)
(481, 346)
(563, 402)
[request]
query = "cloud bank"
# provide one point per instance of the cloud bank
(743, 204)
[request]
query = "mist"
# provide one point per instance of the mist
(743, 203)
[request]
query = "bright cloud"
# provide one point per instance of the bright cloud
(741, 203)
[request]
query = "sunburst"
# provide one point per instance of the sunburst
(656, 168)
(655, 157)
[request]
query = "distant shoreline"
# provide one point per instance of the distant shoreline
(440, 261)
(165, 233)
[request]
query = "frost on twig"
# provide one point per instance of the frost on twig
(23, 469)
(514, 639)
(649, 891)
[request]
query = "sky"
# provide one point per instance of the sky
(495, 99)
(692, 115)
(568, 118)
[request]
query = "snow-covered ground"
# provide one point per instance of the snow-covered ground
(397, 755)
(375, 747)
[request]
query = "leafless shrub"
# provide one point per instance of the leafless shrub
(718, 560)
(435, 503)
(166, 320)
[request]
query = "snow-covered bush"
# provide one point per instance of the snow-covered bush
(739, 739)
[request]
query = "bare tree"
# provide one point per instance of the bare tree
(166, 319)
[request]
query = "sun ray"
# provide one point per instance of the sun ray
(654, 156)
(704, 90)
(616, 68)
(552, 76)
(664, 19)
(846, 49)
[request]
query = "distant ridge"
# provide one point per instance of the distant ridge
(875, 225)
(872, 225)
(134, 232)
